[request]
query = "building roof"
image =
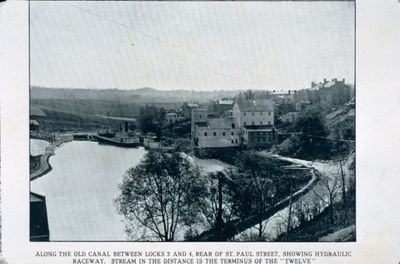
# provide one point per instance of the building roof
(226, 102)
(270, 127)
(257, 105)
(34, 197)
(216, 123)
(220, 123)
(291, 114)
(36, 111)
(303, 101)
(190, 105)
(33, 122)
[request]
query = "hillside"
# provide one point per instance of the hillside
(140, 96)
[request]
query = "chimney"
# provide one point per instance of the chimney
(343, 80)
(335, 79)
(325, 81)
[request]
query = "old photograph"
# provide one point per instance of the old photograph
(192, 121)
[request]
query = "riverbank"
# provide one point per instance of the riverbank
(319, 212)
(41, 163)
(234, 228)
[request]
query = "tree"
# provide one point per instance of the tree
(258, 188)
(219, 208)
(151, 118)
(162, 193)
(328, 191)
(310, 126)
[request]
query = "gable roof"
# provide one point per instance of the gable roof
(226, 102)
(191, 105)
(257, 105)
(36, 111)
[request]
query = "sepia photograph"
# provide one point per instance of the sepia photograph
(192, 121)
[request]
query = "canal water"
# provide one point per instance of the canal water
(80, 190)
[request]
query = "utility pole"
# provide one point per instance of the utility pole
(289, 214)
(219, 220)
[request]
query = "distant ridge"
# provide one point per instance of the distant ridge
(140, 95)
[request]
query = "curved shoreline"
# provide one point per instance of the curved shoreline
(44, 166)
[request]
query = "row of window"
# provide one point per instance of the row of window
(253, 123)
(215, 134)
(252, 113)
(260, 139)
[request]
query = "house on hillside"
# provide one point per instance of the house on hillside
(171, 118)
(188, 107)
(289, 117)
(33, 125)
(334, 93)
(35, 114)
(302, 105)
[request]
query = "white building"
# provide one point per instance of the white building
(216, 133)
(251, 124)
(259, 112)
(256, 120)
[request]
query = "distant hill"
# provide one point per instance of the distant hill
(141, 95)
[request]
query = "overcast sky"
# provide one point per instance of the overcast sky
(190, 45)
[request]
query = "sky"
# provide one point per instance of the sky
(190, 45)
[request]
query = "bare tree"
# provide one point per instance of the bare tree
(161, 193)
(219, 207)
(328, 191)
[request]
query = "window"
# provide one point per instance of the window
(244, 123)
(223, 133)
(252, 123)
(215, 134)
(269, 122)
(232, 133)
(233, 125)
(200, 116)
(261, 113)
(269, 113)
(261, 123)
(205, 134)
(252, 113)
(244, 113)
(233, 141)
